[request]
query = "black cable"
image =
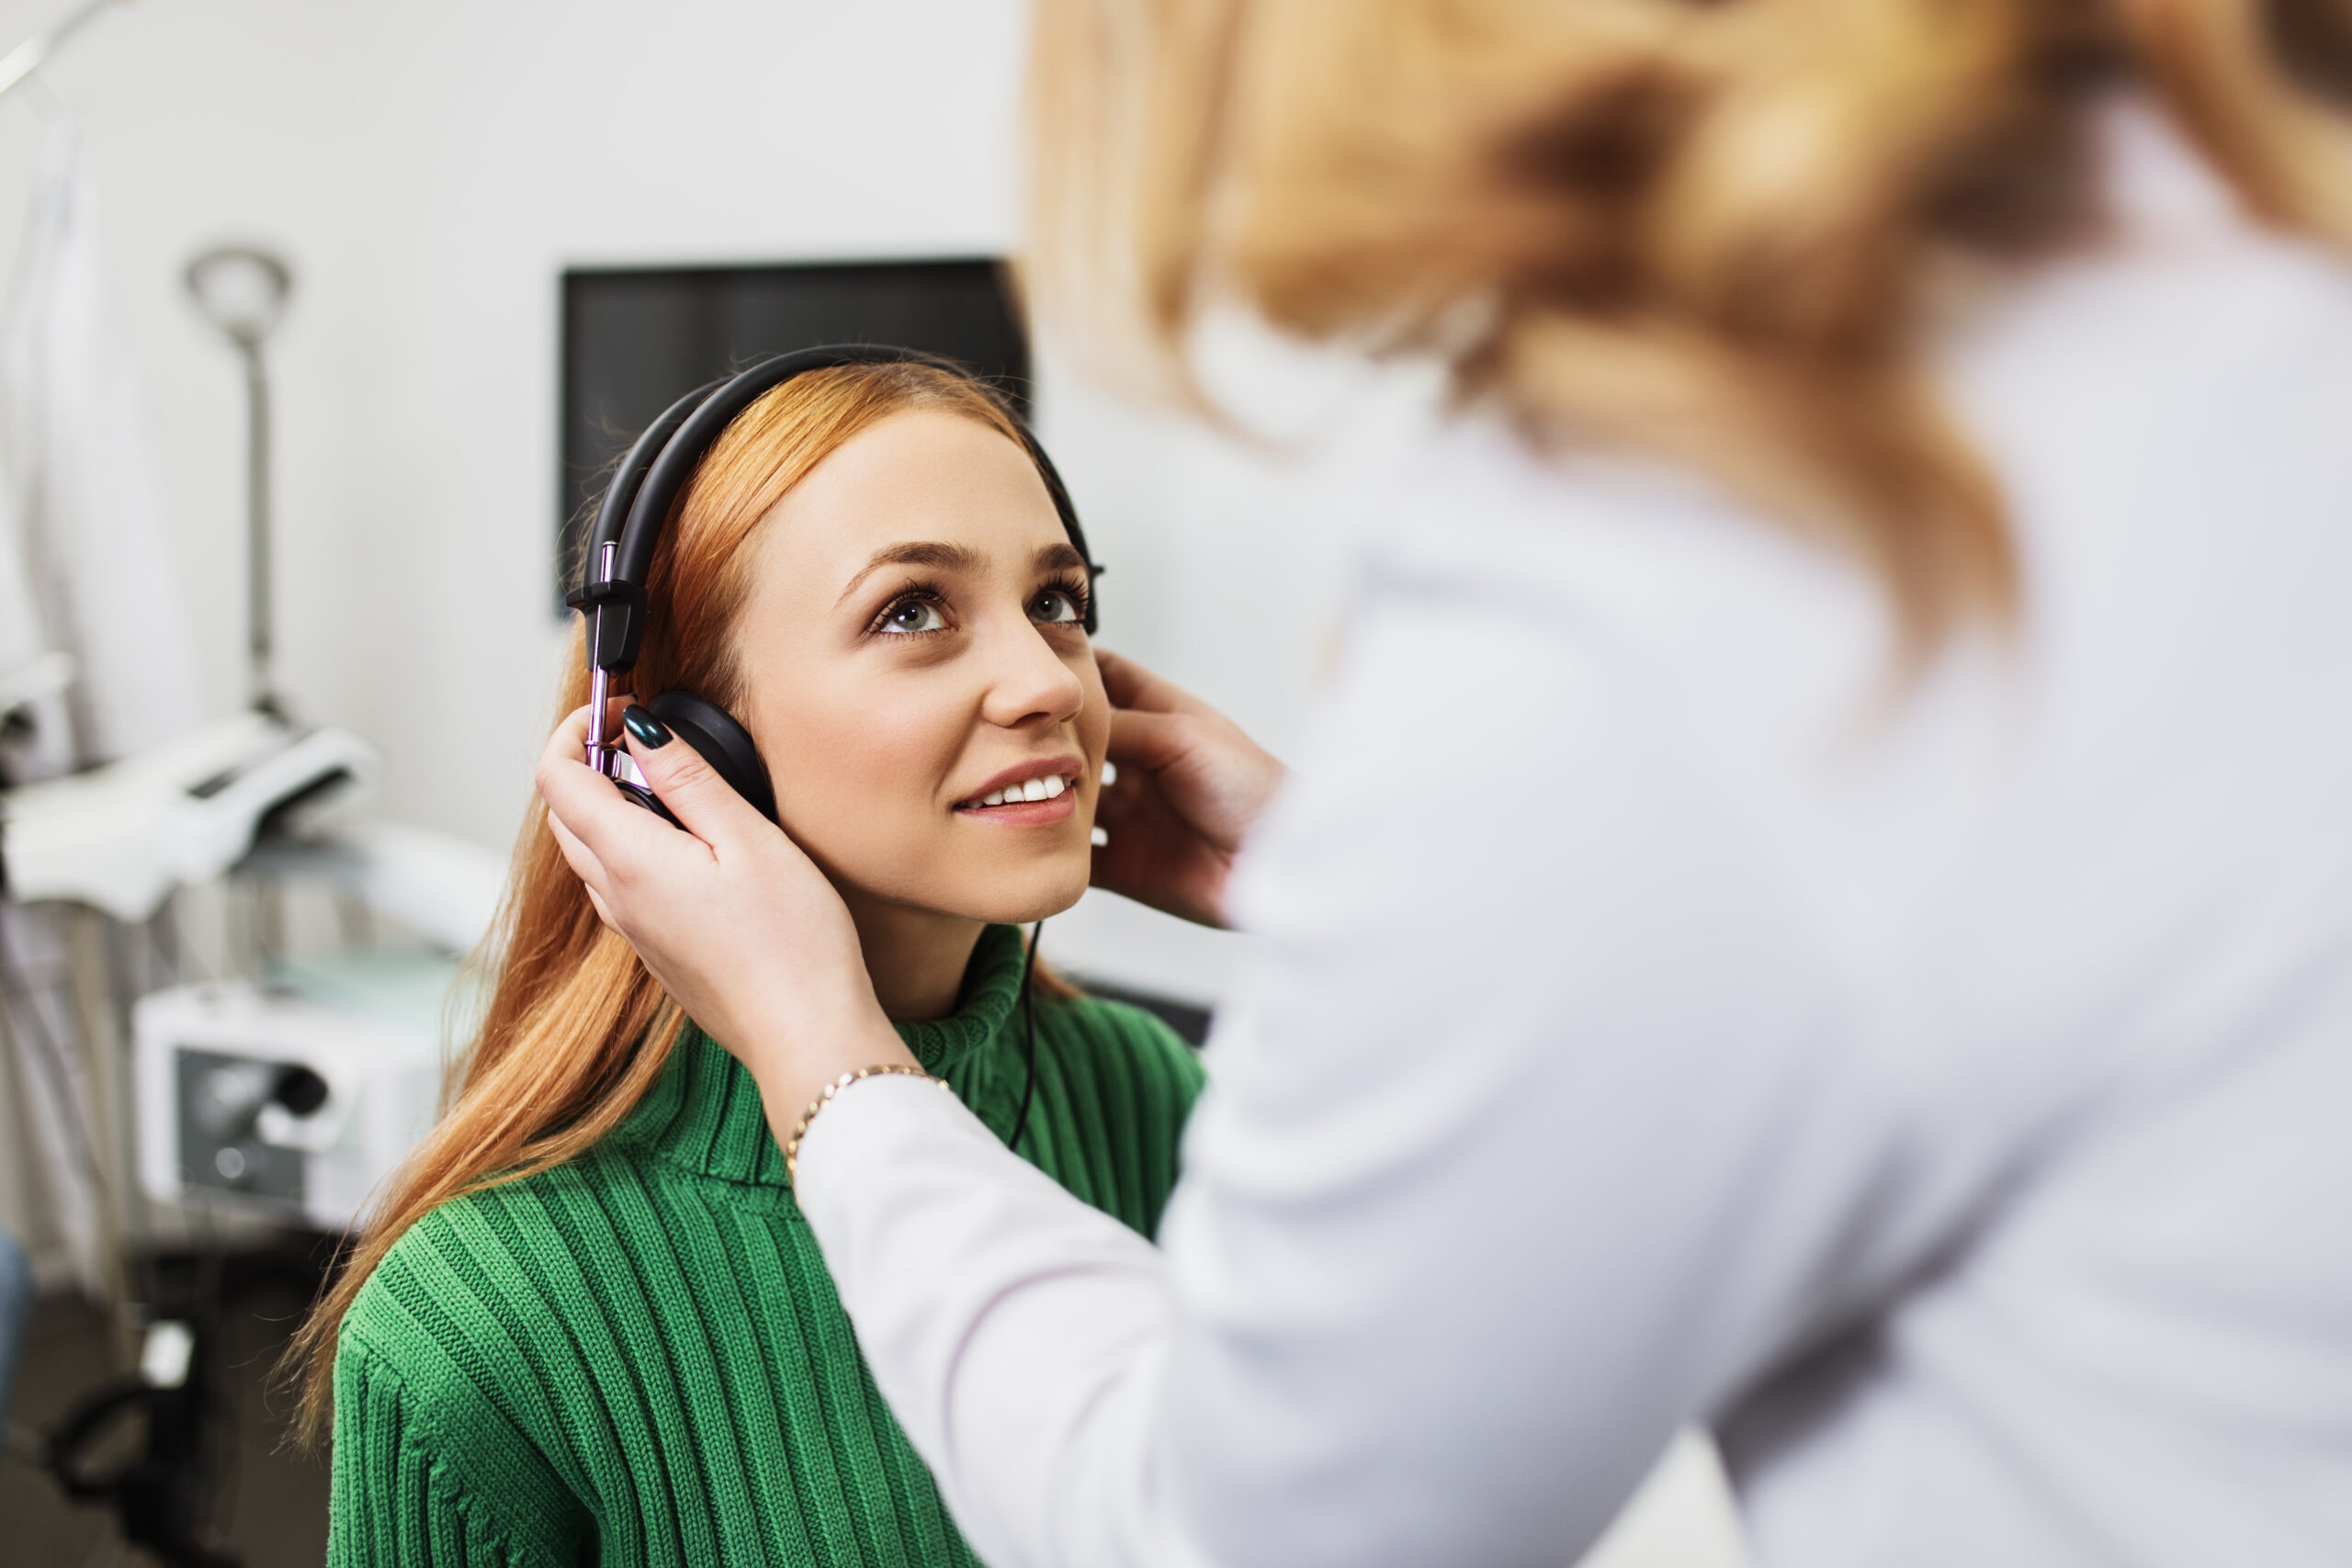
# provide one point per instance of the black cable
(1029, 1030)
(209, 1313)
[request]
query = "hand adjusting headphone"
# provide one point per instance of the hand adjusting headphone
(620, 553)
(636, 509)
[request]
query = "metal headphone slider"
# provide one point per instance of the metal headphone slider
(611, 608)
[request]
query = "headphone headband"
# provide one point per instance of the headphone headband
(636, 504)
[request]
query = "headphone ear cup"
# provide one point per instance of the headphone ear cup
(726, 745)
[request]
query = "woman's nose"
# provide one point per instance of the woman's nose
(1028, 680)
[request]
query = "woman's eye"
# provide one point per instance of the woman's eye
(914, 615)
(1054, 605)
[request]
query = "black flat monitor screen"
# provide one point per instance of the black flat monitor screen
(635, 339)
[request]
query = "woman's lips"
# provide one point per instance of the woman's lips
(1024, 813)
(1027, 780)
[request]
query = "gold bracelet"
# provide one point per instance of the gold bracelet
(792, 1144)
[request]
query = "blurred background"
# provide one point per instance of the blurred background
(509, 229)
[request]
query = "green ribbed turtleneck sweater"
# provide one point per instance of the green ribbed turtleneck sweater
(638, 1358)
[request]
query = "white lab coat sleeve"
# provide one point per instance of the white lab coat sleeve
(1536, 1129)
(1018, 1334)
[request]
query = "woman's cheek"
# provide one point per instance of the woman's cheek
(1095, 711)
(826, 789)
(883, 767)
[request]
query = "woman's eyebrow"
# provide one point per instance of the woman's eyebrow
(1061, 557)
(913, 552)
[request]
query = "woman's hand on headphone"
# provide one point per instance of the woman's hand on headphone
(1190, 784)
(730, 916)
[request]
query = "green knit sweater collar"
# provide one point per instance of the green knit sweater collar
(704, 1112)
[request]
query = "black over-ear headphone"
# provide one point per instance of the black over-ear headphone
(636, 509)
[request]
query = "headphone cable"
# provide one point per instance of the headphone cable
(1029, 1033)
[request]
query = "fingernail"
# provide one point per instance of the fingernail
(650, 732)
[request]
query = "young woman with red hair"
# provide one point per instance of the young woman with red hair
(588, 1323)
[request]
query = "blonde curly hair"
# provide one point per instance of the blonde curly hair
(1708, 230)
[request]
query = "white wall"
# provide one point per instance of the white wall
(429, 168)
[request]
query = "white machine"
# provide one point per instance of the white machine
(121, 837)
(297, 1098)
(283, 1104)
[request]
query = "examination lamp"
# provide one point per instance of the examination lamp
(243, 292)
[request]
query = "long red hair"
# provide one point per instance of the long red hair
(576, 1030)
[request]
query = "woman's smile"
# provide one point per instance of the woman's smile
(1024, 813)
(1027, 794)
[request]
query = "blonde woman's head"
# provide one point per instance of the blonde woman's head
(1704, 230)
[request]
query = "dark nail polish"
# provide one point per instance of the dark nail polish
(650, 732)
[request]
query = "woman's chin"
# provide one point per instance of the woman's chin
(1039, 893)
(1041, 906)
(1012, 895)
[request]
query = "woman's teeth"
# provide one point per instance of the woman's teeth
(1045, 788)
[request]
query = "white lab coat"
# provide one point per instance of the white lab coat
(1948, 1101)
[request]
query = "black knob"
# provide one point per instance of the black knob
(300, 1089)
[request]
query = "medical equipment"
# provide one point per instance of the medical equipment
(243, 293)
(121, 837)
(271, 1101)
(163, 1491)
(293, 1098)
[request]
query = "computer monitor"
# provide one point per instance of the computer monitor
(637, 338)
